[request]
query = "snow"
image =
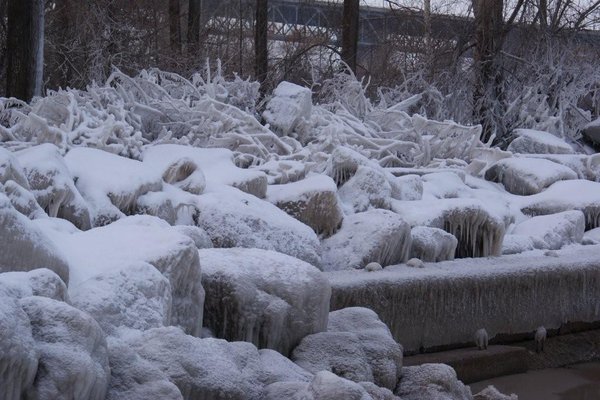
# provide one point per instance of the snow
(432, 244)
(287, 108)
(432, 381)
(552, 232)
(263, 297)
(530, 141)
(367, 189)
(38, 282)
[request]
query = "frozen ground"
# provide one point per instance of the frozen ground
(164, 213)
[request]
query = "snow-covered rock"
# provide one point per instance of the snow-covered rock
(280, 172)
(343, 164)
(289, 105)
(24, 246)
(172, 204)
(515, 244)
(527, 176)
(530, 141)
(432, 244)
(368, 188)
(11, 169)
(202, 368)
(431, 382)
(134, 378)
(491, 393)
(110, 184)
(217, 166)
(277, 368)
(552, 232)
(443, 185)
(186, 175)
(22, 200)
(197, 234)
(372, 236)
(407, 187)
(105, 254)
(312, 201)
(18, 353)
(384, 355)
(592, 236)
(73, 358)
(579, 195)
(236, 219)
(52, 184)
(38, 282)
(263, 297)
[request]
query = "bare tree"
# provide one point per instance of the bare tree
(261, 41)
(350, 25)
(25, 48)
(193, 33)
(175, 24)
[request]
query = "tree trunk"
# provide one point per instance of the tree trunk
(261, 52)
(25, 48)
(350, 23)
(175, 25)
(488, 106)
(193, 34)
(428, 40)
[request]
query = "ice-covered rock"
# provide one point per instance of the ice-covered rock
(483, 157)
(202, 368)
(104, 254)
(343, 164)
(263, 297)
(18, 353)
(552, 232)
(443, 185)
(431, 382)
(186, 175)
(579, 195)
(312, 201)
(136, 296)
(592, 236)
(377, 392)
(217, 166)
(372, 236)
(172, 204)
(73, 358)
(134, 378)
(432, 244)
(277, 368)
(515, 244)
(491, 393)
(280, 172)
(38, 282)
(236, 219)
(289, 105)
(407, 187)
(197, 234)
(110, 184)
(11, 169)
(23, 200)
(24, 246)
(384, 355)
(52, 184)
(368, 188)
(527, 176)
(530, 141)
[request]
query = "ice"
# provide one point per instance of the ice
(24, 246)
(592, 236)
(432, 244)
(515, 244)
(527, 176)
(431, 382)
(186, 175)
(552, 232)
(579, 195)
(312, 201)
(217, 166)
(73, 358)
(277, 368)
(198, 235)
(22, 200)
(530, 141)
(38, 282)
(11, 169)
(373, 236)
(280, 172)
(443, 185)
(233, 218)
(263, 297)
(172, 204)
(491, 393)
(52, 184)
(109, 183)
(408, 187)
(368, 188)
(287, 108)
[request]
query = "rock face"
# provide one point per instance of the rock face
(235, 219)
(24, 246)
(552, 232)
(431, 382)
(312, 201)
(432, 244)
(374, 236)
(529, 141)
(289, 105)
(368, 188)
(263, 297)
(357, 346)
(527, 176)
(73, 359)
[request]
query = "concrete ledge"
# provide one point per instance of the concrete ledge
(473, 365)
(443, 304)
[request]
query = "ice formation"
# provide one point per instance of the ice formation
(529, 141)
(432, 244)
(551, 232)
(435, 381)
(38, 282)
(263, 297)
(372, 236)
(289, 106)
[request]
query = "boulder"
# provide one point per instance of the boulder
(263, 297)
(23, 200)
(11, 169)
(24, 246)
(312, 201)
(552, 232)
(368, 188)
(431, 382)
(432, 244)
(172, 204)
(324, 386)
(374, 236)
(527, 176)
(38, 282)
(233, 218)
(186, 175)
(198, 235)
(516, 244)
(73, 358)
(276, 368)
(529, 141)
(592, 236)
(407, 187)
(289, 105)
(443, 185)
